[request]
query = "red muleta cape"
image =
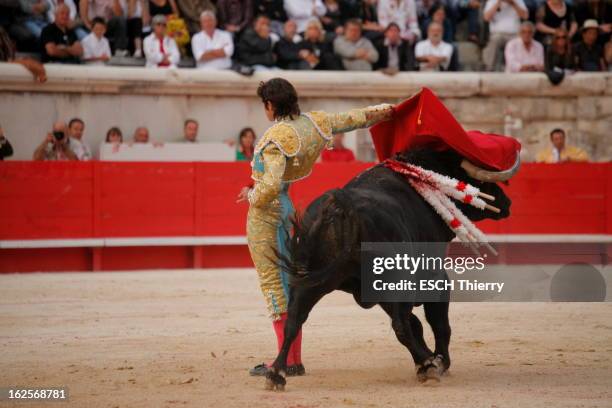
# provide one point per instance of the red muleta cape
(423, 120)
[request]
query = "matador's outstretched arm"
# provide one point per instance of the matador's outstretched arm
(359, 118)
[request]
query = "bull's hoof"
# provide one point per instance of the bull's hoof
(275, 382)
(432, 370)
(426, 374)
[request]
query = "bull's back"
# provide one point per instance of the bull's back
(391, 210)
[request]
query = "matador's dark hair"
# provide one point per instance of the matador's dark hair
(282, 95)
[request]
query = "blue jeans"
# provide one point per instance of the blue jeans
(34, 25)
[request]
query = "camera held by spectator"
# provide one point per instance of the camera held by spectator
(55, 145)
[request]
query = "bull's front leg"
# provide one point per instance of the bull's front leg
(436, 314)
(402, 326)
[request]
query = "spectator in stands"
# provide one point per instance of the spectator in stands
(287, 49)
(357, 52)
(160, 50)
(394, 53)
(74, 23)
(96, 49)
(59, 43)
(7, 54)
(403, 13)
(588, 54)
(191, 11)
(367, 12)
(558, 54)
(190, 131)
(599, 10)
(116, 23)
(255, 46)
(141, 135)
(246, 145)
(235, 15)
(470, 10)
(433, 54)
(163, 7)
(35, 18)
(560, 152)
(76, 128)
(212, 48)
(275, 11)
(114, 135)
(338, 153)
(317, 50)
(135, 12)
(524, 54)
(301, 11)
(56, 145)
(176, 28)
(553, 14)
(504, 18)
(332, 19)
(6, 150)
(437, 13)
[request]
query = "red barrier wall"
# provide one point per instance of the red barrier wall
(46, 200)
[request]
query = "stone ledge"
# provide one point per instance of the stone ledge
(319, 84)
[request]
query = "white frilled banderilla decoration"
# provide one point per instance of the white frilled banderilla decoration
(438, 189)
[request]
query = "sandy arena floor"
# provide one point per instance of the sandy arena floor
(187, 338)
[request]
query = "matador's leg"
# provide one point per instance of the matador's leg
(262, 226)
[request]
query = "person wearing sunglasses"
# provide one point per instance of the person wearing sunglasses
(160, 50)
(558, 54)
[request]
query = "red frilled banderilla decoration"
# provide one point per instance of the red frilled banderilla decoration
(423, 121)
(438, 189)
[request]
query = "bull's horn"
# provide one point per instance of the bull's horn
(491, 176)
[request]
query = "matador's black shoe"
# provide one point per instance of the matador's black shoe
(259, 370)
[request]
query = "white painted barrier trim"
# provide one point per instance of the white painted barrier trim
(122, 242)
(241, 240)
(557, 238)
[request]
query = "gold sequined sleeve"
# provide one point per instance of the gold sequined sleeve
(360, 118)
(269, 186)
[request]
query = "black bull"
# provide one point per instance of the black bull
(378, 205)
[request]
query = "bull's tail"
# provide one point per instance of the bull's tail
(327, 229)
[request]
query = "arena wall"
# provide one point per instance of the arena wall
(67, 216)
(524, 105)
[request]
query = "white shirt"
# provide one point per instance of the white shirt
(401, 12)
(518, 55)
(201, 43)
(81, 149)
(153, 54)
(425, 48)
(301, 11)
(506, 20)
(95, 47)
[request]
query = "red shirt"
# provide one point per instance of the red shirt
(338, 155)
(161, 48)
